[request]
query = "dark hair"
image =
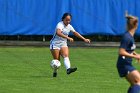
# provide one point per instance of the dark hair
(65, 15)
(131, 22)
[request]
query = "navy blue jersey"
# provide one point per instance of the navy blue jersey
(128, 44)
(124, 64)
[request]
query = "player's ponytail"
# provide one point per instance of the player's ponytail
(132, 22)
(65, 15)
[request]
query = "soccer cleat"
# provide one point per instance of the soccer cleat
(70, 70)
(54, 74)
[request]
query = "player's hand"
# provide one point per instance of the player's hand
(137, 57)
(87, 40)
(70, 39)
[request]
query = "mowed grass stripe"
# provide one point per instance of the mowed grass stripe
(27, 70)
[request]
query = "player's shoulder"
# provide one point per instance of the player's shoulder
(60, 23)
(70, 25)
(126, 36)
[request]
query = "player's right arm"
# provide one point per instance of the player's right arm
(59, 33)
(123, 52)
(125, 42)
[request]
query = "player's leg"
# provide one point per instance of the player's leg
(65, 54)
(134, 89)
(134, 79)
(56, 55)
(55, 51)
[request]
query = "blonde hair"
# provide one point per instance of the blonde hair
(132, 22)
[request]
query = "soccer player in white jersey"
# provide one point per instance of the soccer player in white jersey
(58, 44)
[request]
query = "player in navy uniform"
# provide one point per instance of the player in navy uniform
(126, 53)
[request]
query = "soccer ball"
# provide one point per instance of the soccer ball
(55, 64)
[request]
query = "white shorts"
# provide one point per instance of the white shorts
(58, 45)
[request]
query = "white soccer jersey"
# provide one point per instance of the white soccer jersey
(65, 30)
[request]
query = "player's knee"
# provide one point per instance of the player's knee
(57, 59)
(136, 81)
(65, 55)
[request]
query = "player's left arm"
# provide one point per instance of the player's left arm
(81, 37)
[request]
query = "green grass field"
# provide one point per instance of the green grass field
(27, 70)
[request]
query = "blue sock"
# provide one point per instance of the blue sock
(135, 89)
